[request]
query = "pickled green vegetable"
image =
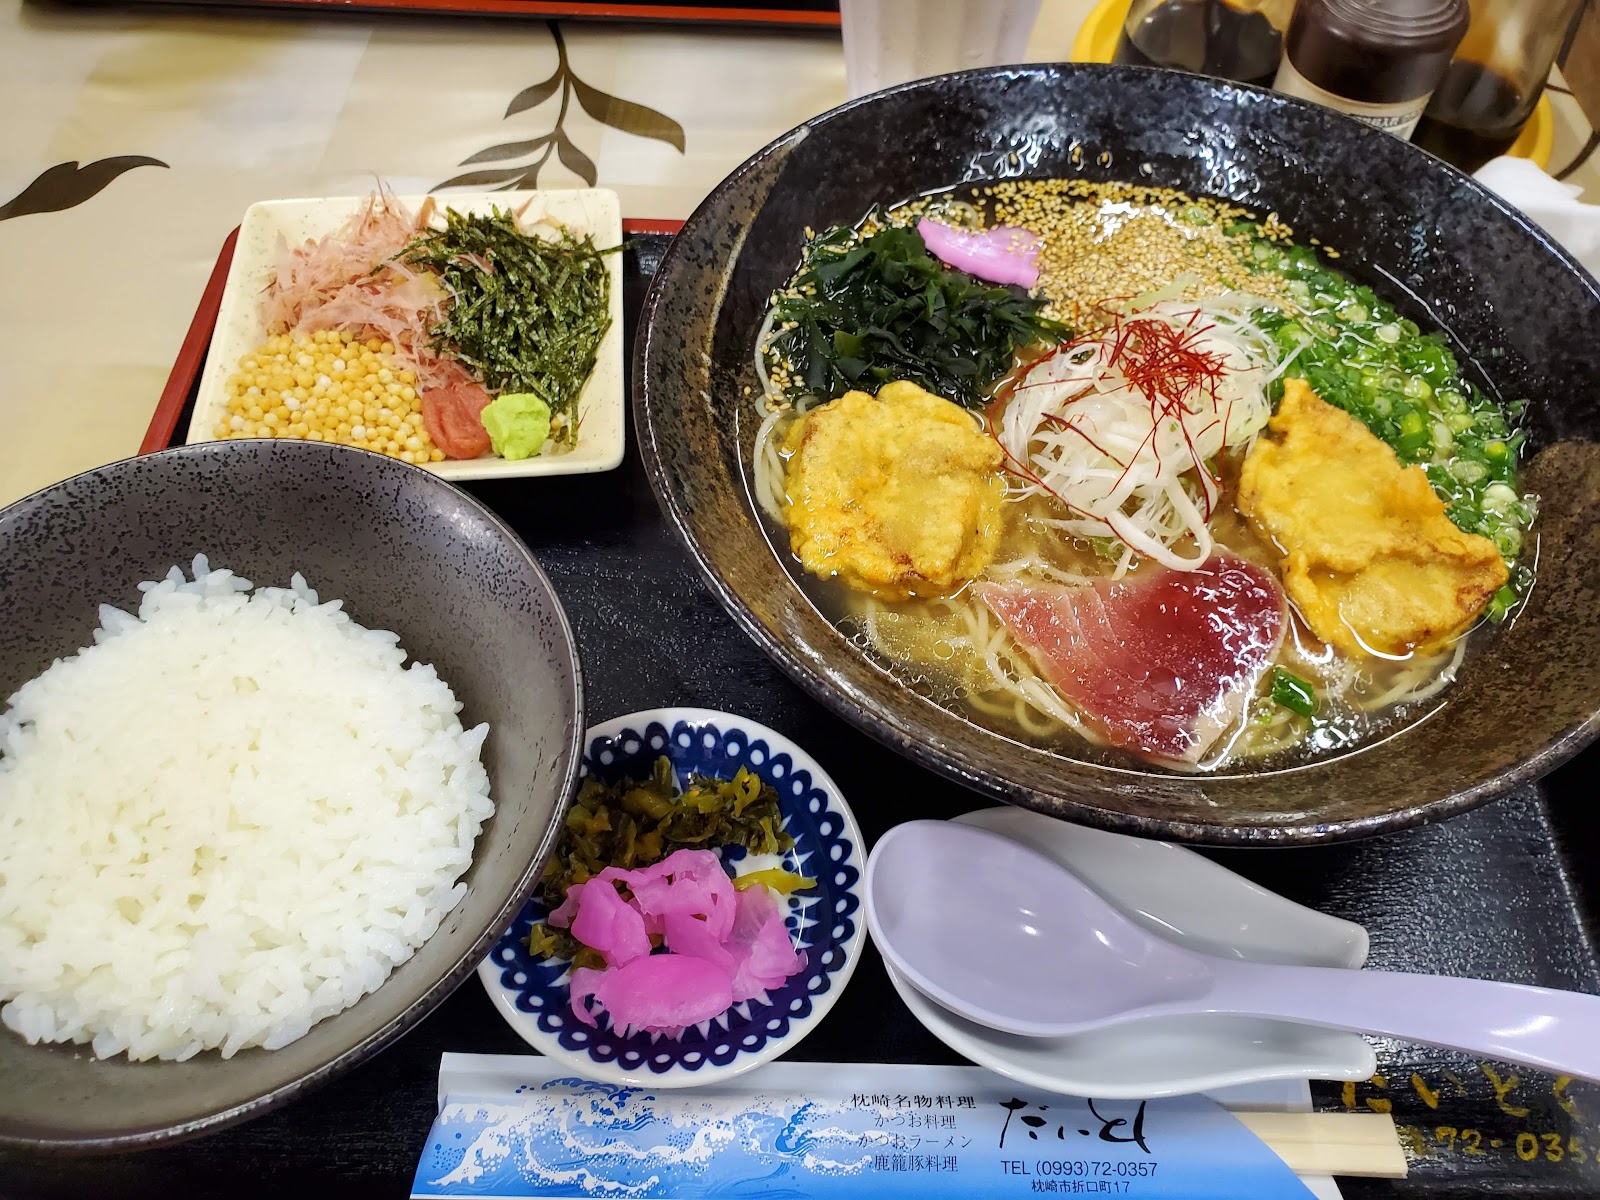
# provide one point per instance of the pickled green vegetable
(781, 881)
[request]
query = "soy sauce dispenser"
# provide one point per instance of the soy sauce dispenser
(1377, 60)
(1241, 40)
(1498, 74)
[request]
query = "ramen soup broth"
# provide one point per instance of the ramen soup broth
(933, 645)
(947, 647)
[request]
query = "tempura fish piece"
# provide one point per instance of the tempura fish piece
(1161, 663)
(897, 494)
(1371, 561)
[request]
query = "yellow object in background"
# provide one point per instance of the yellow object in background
(1097, 42)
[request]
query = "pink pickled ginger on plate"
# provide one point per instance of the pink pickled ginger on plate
(760, 945)
(688, 884)
(721, 945)
(605, 921)
(662, 993)
(1003, 254)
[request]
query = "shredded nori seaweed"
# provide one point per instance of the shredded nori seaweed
(527, 313)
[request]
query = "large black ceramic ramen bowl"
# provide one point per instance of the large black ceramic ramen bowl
(406, 552)
(1420, 232)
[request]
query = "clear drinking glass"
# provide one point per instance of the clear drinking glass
(894, 41)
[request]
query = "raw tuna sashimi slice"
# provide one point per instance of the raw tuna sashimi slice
(1161, 663)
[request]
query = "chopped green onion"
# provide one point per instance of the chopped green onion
(1291, 692)
(1508, 540)
(1498, 498)
(1502, 603)
(1407, 387)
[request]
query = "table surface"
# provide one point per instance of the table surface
(1499, 893)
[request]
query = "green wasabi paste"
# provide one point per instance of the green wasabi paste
(518, 425)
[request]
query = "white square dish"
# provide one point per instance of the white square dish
(593, 211)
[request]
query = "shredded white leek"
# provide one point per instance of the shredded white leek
(1132, 466)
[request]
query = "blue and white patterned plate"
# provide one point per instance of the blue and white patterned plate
(824, 921)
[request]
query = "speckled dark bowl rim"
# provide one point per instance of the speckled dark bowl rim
(466, 964)
(954, 763)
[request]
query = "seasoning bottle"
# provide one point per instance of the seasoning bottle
(1377, 60)
(1499, 72)
(1240, 40)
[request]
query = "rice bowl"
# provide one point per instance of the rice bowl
(228, 819)
(406, 552)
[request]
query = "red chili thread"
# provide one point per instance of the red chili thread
(1162, 363)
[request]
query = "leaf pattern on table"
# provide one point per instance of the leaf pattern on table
(532, 97)
(575, 160)
(506, 179)
(67, 185)
(625, 115)
(508, 150)
(628, 116)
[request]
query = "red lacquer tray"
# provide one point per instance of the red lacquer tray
(808, 14)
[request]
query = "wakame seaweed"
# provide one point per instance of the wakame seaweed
(864, 312)
(527, 312)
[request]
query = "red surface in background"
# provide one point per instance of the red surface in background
(670, 13)
(636, 12)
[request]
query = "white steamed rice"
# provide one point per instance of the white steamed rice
(229, 818)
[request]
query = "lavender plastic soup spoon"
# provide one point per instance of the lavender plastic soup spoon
(1023, 946)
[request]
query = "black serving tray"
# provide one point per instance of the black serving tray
(1505, 892)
